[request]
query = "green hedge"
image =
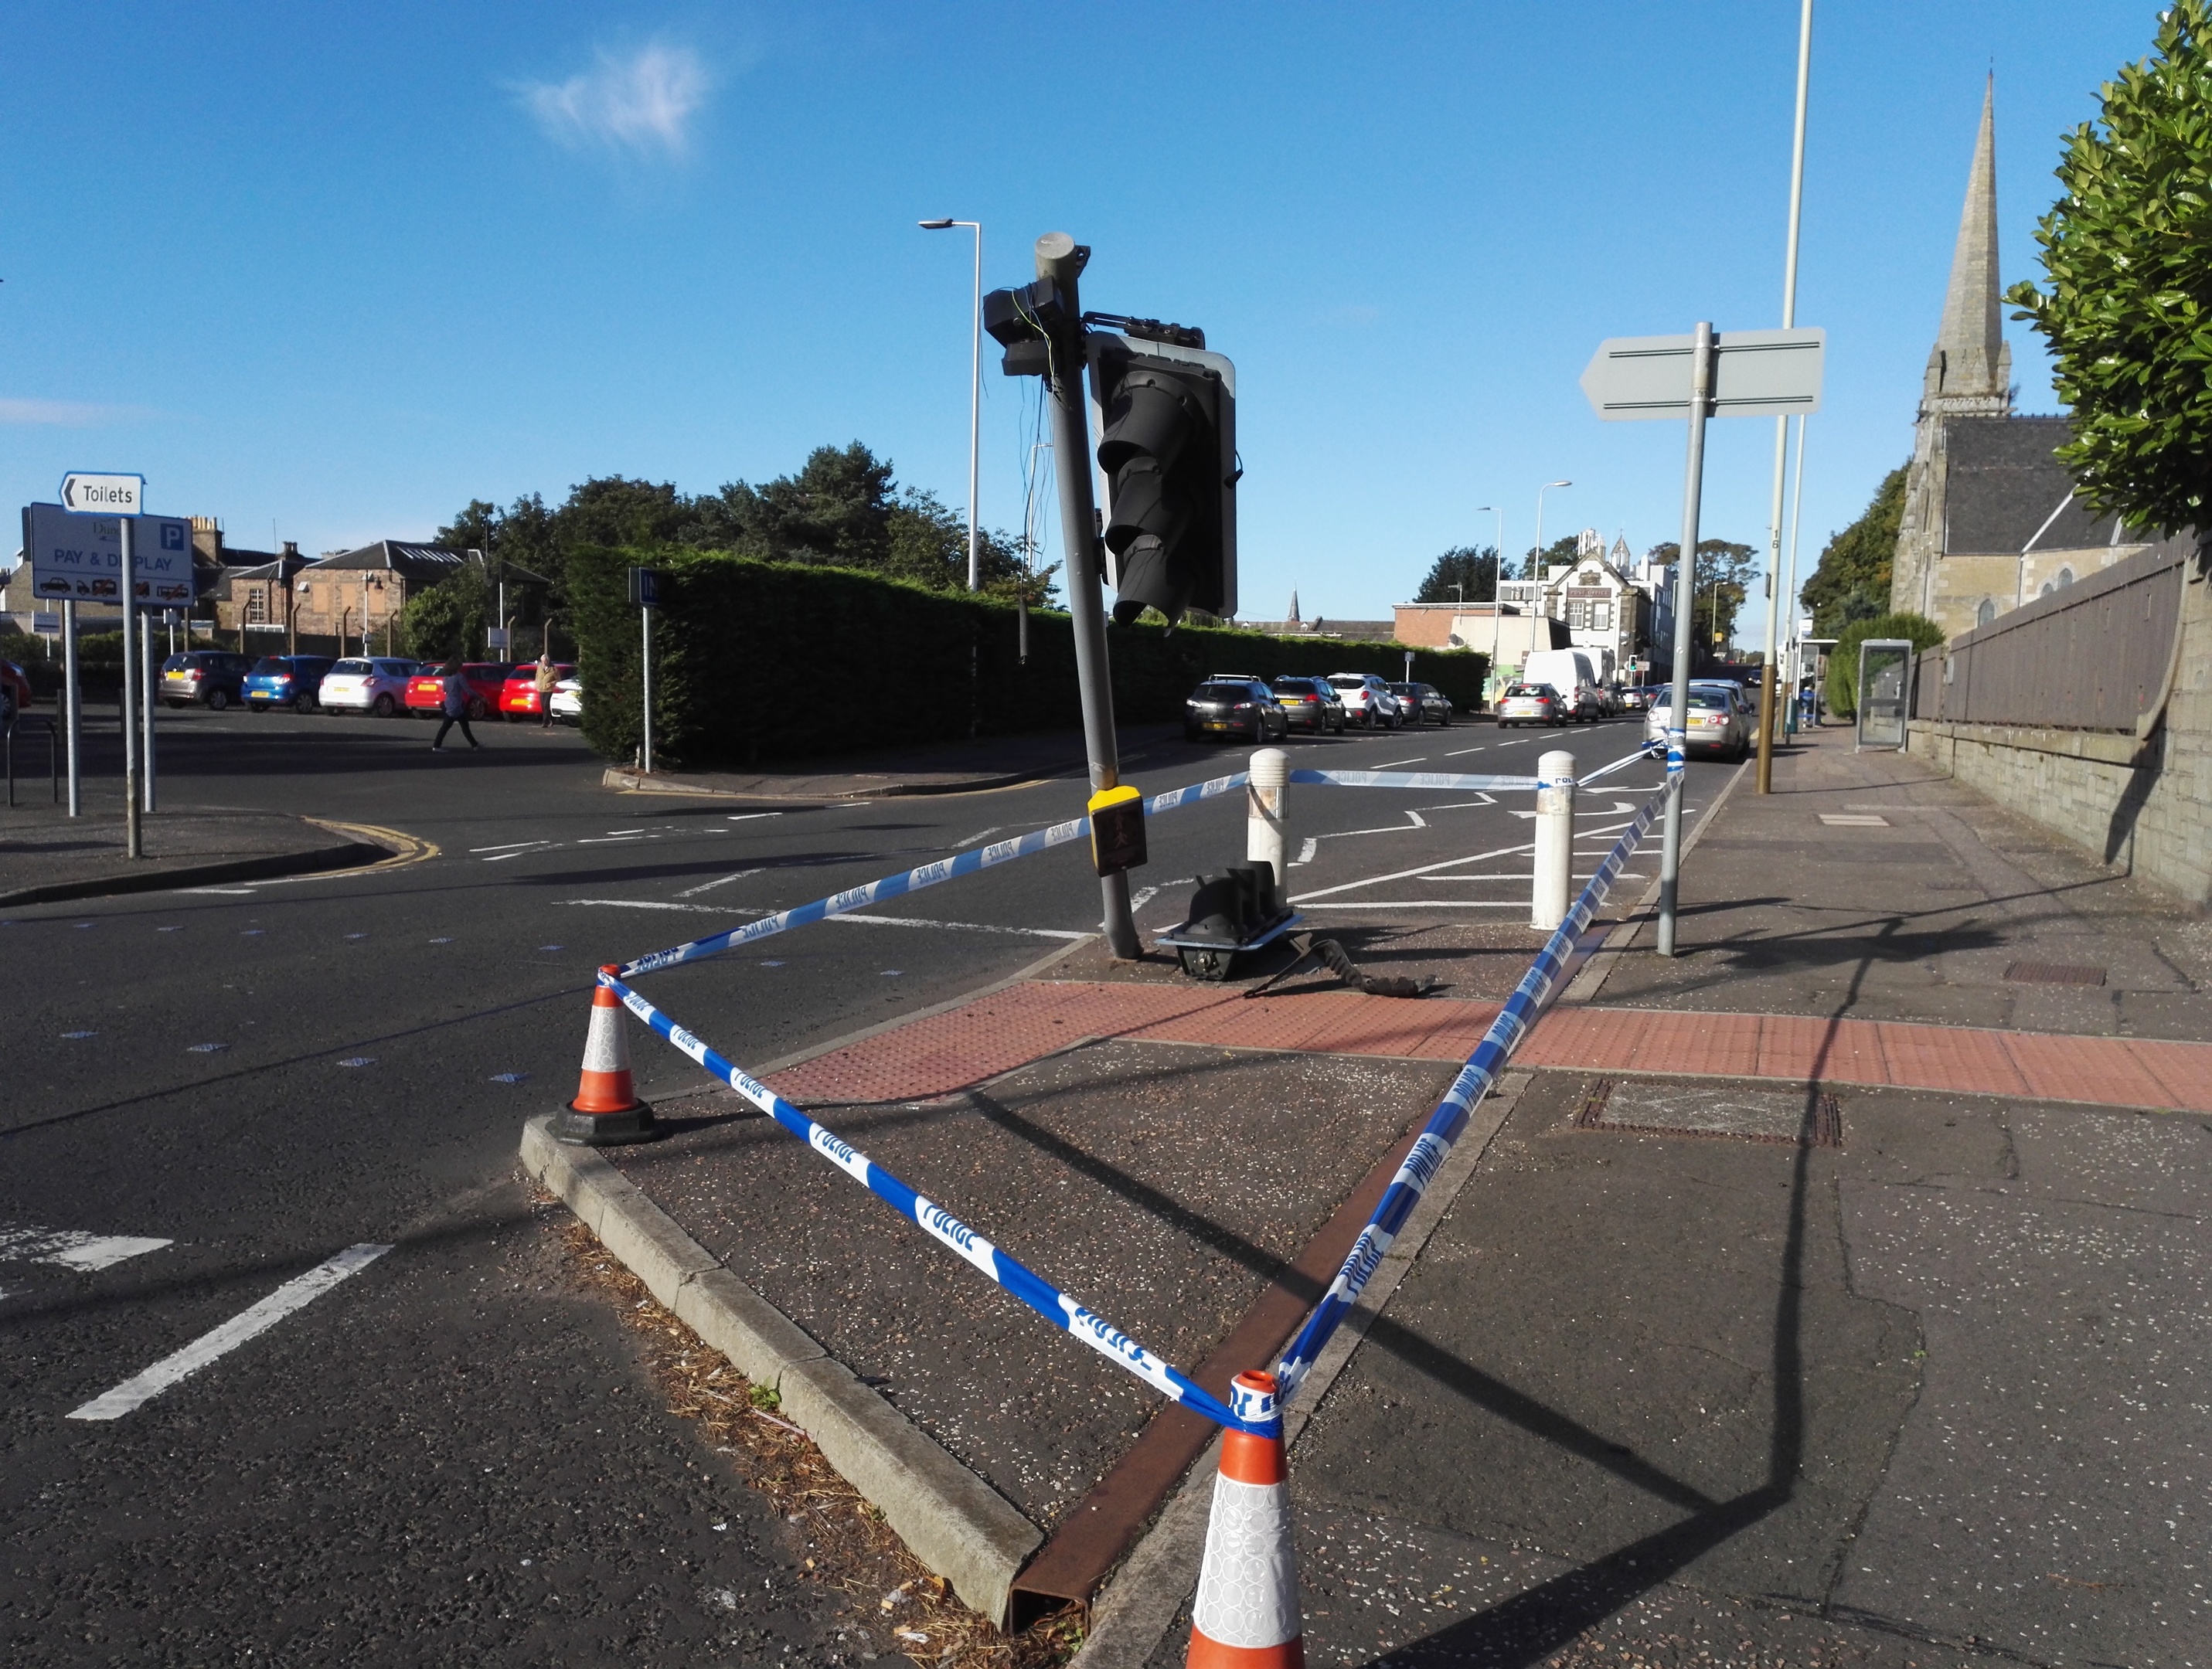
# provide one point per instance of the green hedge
(756, 661)
(1843, 658)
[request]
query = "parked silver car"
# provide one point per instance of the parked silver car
(376, 684)
(1367, 699)
(1718, 723)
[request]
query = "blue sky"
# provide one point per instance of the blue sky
(342, 269)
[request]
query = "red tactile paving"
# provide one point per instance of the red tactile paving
(2099, 1069)
(996, 1034)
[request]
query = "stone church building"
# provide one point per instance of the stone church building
(1991, 519)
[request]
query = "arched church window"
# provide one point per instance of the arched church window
(2065, 578)
(1987, 612)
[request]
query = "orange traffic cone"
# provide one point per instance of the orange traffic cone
(606, 1109)
(1246, 1616)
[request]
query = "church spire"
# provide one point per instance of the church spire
(1970, 367)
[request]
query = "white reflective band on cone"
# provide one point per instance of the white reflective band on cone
(1247, 1587)
(606, 1049)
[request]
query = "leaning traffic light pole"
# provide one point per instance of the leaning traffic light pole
(1167, 448)
(1059, 261)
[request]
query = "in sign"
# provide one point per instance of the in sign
(86, 493)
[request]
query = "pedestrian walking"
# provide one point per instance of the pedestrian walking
(547, 677)
(455, 701)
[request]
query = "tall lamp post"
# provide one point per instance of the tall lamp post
(1775, 601)
(975, 388)
(1497, 599)
(1537, 557)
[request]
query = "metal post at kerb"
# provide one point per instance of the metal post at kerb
(1266, 785)
(72, 708)
(645, 616)
(147, 801)
(1061, 259)
(133, 838)
(1678, 697)
(1555, 841)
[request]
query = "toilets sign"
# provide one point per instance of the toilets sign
(84, 494)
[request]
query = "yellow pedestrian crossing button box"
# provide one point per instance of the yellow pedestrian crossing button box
(1117, 830)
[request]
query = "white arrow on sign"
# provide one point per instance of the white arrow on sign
(85, 493)
(1756, 373)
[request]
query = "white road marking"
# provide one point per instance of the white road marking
(1143, 896)
(1388, 763)
(1464, 751)
(1401, 875)
(1306, 852)
(228, 892)
(614, 839)
(970, 927)
(656, 904)
(1461, 805)
(73, 1248)
(1426, 903)
(1518, 740)
(980, 834)
(709, 886)
(511, 846)
(747, 816)
(625, 831)
(297, 1293)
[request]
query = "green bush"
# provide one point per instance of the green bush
(756, 661)
(1843, 658)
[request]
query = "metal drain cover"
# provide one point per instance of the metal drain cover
(2036, 973)
(1747, 1115)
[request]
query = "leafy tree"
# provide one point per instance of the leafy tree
(448, 620)
(1464, 574)
(2128, 252)
(1562, 550)
(1844, 659)
(1720, 582)
(1852, 580)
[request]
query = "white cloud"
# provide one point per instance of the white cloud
(66, 414)
(642, 102)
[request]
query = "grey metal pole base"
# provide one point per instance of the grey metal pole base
(1121, 928)
(604, 1129)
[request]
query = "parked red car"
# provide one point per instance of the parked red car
(18, 683)
(518, 700)
(426, 691)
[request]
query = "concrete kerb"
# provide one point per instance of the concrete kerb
(1147, 1593)
(638, 782)
(949, 1519)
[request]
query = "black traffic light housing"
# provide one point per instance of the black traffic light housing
(1166, 414)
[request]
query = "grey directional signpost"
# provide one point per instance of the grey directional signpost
(1744, 374)
(87, 493)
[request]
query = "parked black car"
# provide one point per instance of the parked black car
(286, 680)
(1310, 704)
(1423, 702)
(1244, 707)
(212, 676)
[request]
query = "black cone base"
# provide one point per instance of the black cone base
(604, 1129)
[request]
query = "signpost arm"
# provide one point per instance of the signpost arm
(1678, 713)
(132, 844)
(72, 706)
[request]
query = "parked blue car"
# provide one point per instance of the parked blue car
(286, 680)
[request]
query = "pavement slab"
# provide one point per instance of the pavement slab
(1161, 1185)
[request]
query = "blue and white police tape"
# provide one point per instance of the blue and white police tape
(895, 886)
(1032, 1289)
(1474, 1081)
(1651, 749)
(1444, 781)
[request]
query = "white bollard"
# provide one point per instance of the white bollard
(1263, 807)
(1555, 841)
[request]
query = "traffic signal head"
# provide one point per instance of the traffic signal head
(1168, 449)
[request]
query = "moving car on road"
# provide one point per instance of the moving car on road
(1527, 704)
(1423, 702)
(214, 677)
(1718, 723)
(487, 681)
(1367, 699)
(286, 680)
(1310, 704)
(376, 684)
(1244, 707)
(518, 696)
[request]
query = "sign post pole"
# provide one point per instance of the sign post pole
(1678, 711)
(132, 835)
(146, 669)
(645, 616)
(72, 707)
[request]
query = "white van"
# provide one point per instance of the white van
(1573, 673)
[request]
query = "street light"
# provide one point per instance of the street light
(1537, 556)
(975, 388)
(1496, 596)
